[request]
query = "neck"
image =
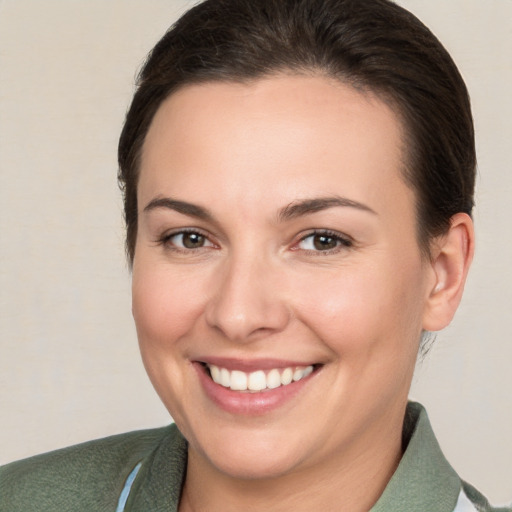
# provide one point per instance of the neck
(352, 479)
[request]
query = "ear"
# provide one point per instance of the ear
(452, 254)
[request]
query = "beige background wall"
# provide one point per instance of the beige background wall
(69, 364)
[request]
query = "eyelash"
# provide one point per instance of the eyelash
(343, 242)
(166, 238)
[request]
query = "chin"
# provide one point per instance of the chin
(249, 455)
(254, 466)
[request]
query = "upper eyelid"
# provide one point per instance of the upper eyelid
(165, 242)
(178, 231)
(345, 242)
(327, 232)
(164, 238)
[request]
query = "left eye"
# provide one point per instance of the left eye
(189, 240)
(322, 242)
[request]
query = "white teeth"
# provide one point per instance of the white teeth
(238, 381)
(273, 379)
(225, 379)
(298, 374)
(214, 370)
(258, 380)
(286, 376)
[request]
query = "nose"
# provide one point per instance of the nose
(248, 300)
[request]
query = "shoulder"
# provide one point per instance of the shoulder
(424, 480)
(88, 476)
(479, 501)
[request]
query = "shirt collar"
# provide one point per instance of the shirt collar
(424, 480)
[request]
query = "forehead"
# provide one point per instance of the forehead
(296, 134)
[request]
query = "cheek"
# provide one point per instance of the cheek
(364, 309)
(165, 306)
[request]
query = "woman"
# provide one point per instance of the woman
(298, 181)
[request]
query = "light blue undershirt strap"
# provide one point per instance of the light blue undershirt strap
(127, 488)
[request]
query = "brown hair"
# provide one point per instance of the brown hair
(374, 45)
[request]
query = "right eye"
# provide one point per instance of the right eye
(187, 240)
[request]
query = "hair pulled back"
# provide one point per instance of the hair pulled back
(373, 45)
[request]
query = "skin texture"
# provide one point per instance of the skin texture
(256, 287)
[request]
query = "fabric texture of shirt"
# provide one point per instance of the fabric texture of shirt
(144, 472)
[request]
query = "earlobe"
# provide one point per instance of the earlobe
(451, 259)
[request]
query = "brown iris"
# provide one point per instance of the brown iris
(193, 240)
(325, 242)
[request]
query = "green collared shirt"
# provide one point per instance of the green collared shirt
(144, 472)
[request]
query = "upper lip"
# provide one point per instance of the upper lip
(249, 365)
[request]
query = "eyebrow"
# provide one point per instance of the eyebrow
(289, 212)
(190, 209)
(308, 206)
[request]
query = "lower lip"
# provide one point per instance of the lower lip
(248, 403)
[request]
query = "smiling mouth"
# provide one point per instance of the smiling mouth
(257, 381)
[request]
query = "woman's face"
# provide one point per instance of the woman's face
(277, 237)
